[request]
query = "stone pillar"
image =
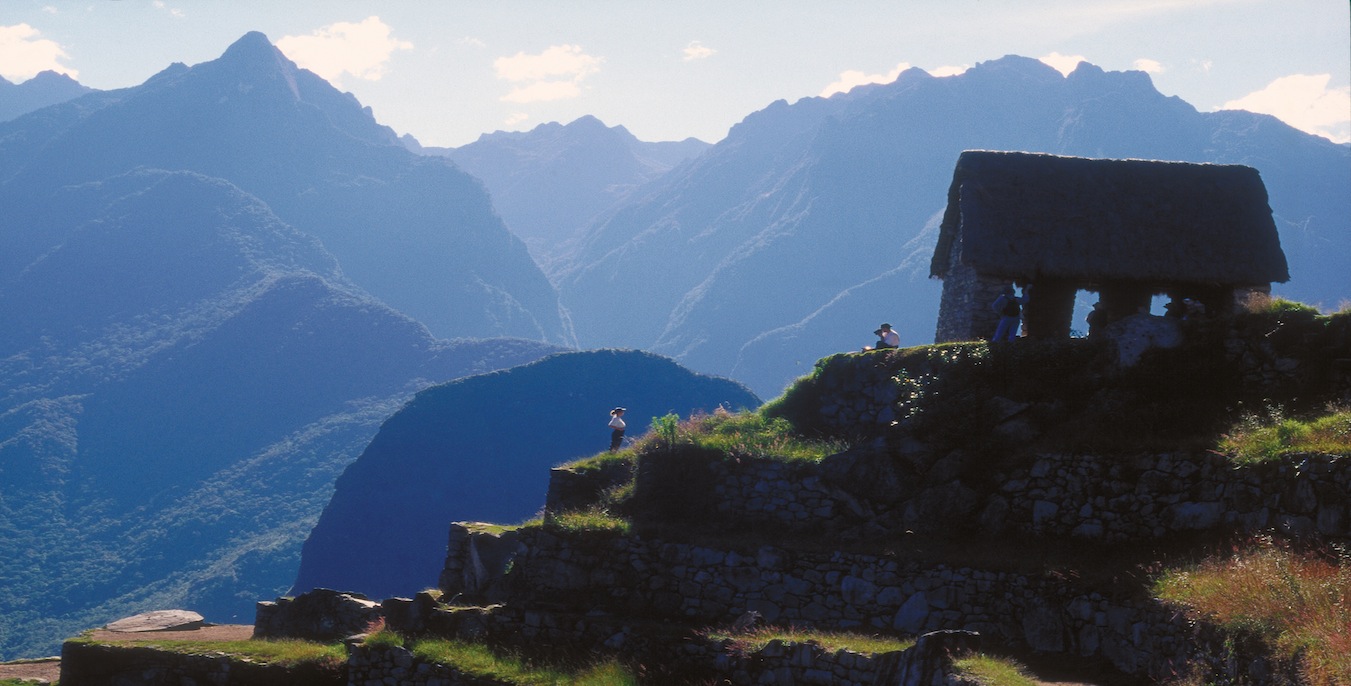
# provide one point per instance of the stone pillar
(1121, 299)
(1050, 307)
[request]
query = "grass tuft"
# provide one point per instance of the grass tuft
(993, 671)
(744, 435)
(1300, 605)
(595, 518)
(478, 660)
(1269, 436)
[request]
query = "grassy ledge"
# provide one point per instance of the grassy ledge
(478, 660)
(831, 641)
(1270, 436)
(283, 652)
(1299, 604)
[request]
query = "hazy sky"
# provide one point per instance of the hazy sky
(449, 70)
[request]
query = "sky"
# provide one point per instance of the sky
(447, 71)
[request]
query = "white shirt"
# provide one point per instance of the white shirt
(616, 423)
(892, 338)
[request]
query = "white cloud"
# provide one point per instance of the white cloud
(362, 50)
(559, 60)
(1305, 102)
(515, 118)
(1063, 63)
(473, 42)
(554, 74)
(1148, 66)
(850, 79)
(50, 9)
(23, 53)
(697, 51)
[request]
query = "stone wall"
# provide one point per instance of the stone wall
(608, 574)
(1085, 497)
(320, 615)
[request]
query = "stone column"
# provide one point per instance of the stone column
(1050, 306)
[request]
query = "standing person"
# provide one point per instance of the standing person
(1010, 311)
(616, 428)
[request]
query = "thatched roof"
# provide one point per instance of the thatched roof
(1030, 216)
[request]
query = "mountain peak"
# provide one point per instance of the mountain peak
(254, 52)
(251, 42)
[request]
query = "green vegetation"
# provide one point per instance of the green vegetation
(829, 640)
(622, 457)
(19, 682)
(285, 652)
(595, 518)
(479, 660)
(1300, 605)
(993, 671)
(1257, 438)
(747, 435)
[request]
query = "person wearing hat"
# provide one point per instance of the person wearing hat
(616, 428)
(1010, 310)
(886, 338)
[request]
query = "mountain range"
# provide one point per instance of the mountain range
(322, 164)
(813, 222)
(47, 88)
(184, 376)
(550, 182)
(221, 289)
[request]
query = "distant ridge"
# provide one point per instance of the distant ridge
(553, 180)
(47, 88)
(813, 222)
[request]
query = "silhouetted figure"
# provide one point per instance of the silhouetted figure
(1010, 310)
(616, 428)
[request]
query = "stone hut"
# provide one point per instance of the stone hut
(1126, 229)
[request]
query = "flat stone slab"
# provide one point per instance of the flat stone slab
(159, 620)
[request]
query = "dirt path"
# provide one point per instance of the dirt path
(48, 670)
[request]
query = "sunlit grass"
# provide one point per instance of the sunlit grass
(478, 660)
(595, 518)
(831, 641)
(993, 671)
(285, 652)
(746, 435)
(1257, 438)
(1300, 605)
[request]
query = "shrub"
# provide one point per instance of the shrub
(1300, 605)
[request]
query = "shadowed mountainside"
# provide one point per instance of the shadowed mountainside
(480, 448)
(184, 376)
